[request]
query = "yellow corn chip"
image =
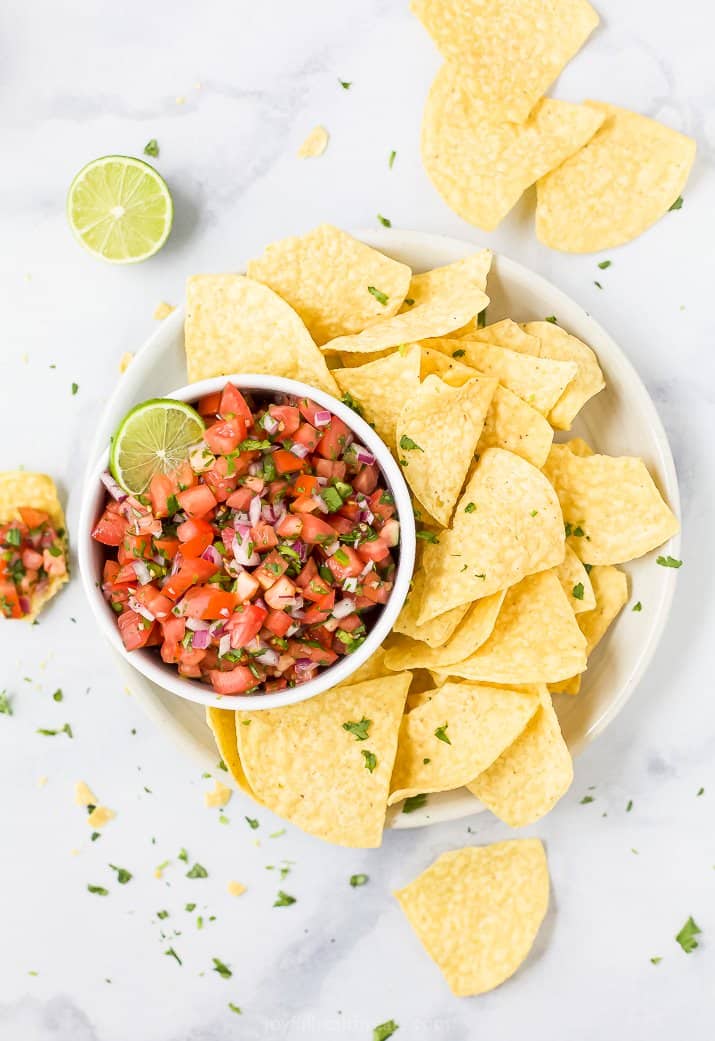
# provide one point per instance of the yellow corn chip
(508, 52)
(456, 734)
(556, 343)
(510, 422)
(477, 911)
(471, 633)
(372, 669)
(507, 524)
(437, 434)
(529, 778)
(625, 179)
(575, 583)
(382, 388)
(325, 275)
(315, 144)
(578, 446)
(440, 315)
(461, 276)
(481, 168)
(610, 587)
(437, 630)
(222, 724)
(288, 753)
(611, 506)
(236, 325)
(508, 334)
(38, 491)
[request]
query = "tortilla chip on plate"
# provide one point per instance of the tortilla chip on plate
(507, 524)
(611, 506)
(325, 275)
(627, 176)
(529, 778)
(437, 434)
(309, 767)
(437, 630)
(507, 333)
(455, 734)
(314, 144)
(382, 388)
(508, 52)
(222, 724)
(575, 582)
(234, 324)
(477, 911)
(481, 168)
(473, 630)
(559, 345)
(463, 274)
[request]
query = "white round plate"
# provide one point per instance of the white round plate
(621, 420)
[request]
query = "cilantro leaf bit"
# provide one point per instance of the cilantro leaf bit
(428, 536)
(656, 961)
(629, 806)
(197, 871)
(184, 855)
(385, 221)
(5, 704)
(586, 799)
(190, 907)
(598, 285)
(669, 562)
(637, 607)
(123, 876)
(459, 353)
(235, 1008)
(75, 388)
(221, 968)
(360, 729)
(414, 802)
(408, 445)
(550, 318)
(370, 759)
(686, 936)
(700, 791)
(677, 205)
(470, 507)
(577, 591)
(252, 822)
(381, 297)
(162, 914)
(172, 954)
(604, 264)
(66, 729)
(358, 880)
(384, 1030)
(391, 158)
(283, 899)
(442, 735)
(97, 890)
(152, 148)
(349, 400)
(345, 84)
(58, 695)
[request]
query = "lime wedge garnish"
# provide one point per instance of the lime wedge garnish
(155, 437)
(120, 209)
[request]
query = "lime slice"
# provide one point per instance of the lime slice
(155, 437)
(120, 209)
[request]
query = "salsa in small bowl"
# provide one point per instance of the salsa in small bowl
(269, 563)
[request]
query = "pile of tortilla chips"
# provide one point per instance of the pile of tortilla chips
(603, 174)
(520, 538)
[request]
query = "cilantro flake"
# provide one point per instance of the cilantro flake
(360, 729)
(686, 936)
(152, 148)
(5, 704)
(408, 445)
(97, 890)
(385, 221)
(283, 899)
(345, 84)
(637, 607)
(391, 158)
(252, 822)
(550, 318)
(172, 954)
(381, 297)
(442, 735)
(669, 562)
(221, 968)
(604, 264)
(414, 802)
(358, 880)
(677, 205)
(197, 871)
(384, 1030)
(577, 591)
(75, 388)
(370, 759)
(123, 876)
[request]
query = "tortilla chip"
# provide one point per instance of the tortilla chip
(437, 630)
(461, 276)
(21, 488)
(444, 423)
(481, 168)
(372, 669)
(236, 325)
(471, 633)
(514, 529)
(578, 446)
(510, 422)
(575, 583)
(456, 734)
(440, 315)
(222, 724)
(477, 911)
(627, 176)
(306, 767)
(325, 275)
(538, 381)
(529, 778)
(556, 343)
(508, 334)
(610, 587)
(535, 638)
(382, 388)
(315, 144)
(508, 52)
(611, 506)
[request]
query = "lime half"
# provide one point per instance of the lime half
(120, 209)
(154, 438)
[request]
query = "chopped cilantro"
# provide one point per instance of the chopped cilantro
(686, 936)
(98, 890)
(385, 221)
(66, 729)
(349, 400)
(414, 802)
(668, 562)
(586, 799)
(331, 498)
(283, 899)
(637, 607)
(359, 730)
(427, 536)
(235, 1008)
(384, 1030)
(345, 84)
(222, 969)
(123, 876)
(252, 822)
(5, 704)
(677, 205)
(700, 791)
(426, 761)
(197, 871)
(13, 537)
(629, 805)
(75, 388)
(183, 855)
(656, 961)
(577, 591)
(470, 507)
(408, 445)
(459, 353)
(162, 914)
(58, 695)
(391, 158)
(550, 318)
(442, 735)
(358, 880)
(378, 294)
(152, 148)
(94, 836)
(172, 954)
(597, 284)
(370, 759)
(604, 264)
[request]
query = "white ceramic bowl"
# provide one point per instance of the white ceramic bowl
(92, 555)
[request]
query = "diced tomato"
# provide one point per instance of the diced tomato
(134, 630)
(375, 550)
(138, 546)
(341, 525)
(308, 409)
(197, 501)
(33, 518)
(191, 572)
(350, 623)
(366, 480)
(195, 535)
(308, 572)
(237, 681)
(234, 404)
(286, 462)
(280, 594)
(167, 546)
(374, 589)
(263, 537)
(317, 654)
(335, 440)
(109, 529)
(278, 622)
(289, 418)
(185, 476)
(155, 601)
(224, 435)
(289, 527)
(208, 602)
(271, 686)
(306, 484)
(31, 558)
(317, 589)
(308, 436)
(316, 531)
(345, 564)
(314, 615)
(53, 565)
(330, 468)
(240, 499)
(189, 659)
(390, 532)
(9, 600)
(273, 566)
(173, 630)
(351, 510)
(245, 624)
(126, 575)
(382, 509)
(161, 488)
(209, 404)
(304, 504)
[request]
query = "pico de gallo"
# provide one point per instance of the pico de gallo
(261, 559)
(32, 554)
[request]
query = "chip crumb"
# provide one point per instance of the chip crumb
(219, 796)
(315, 143)
(181, 100)
(74, 852)
(236, 888)
(100, 816)
(42, 781)
(163, 310)
(83, 794)
(125, 361)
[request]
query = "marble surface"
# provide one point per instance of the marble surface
(230, 89)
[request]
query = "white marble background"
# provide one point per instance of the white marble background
(80, 79)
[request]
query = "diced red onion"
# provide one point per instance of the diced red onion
(268, 657)
(239, 548)
(332, 548)
(304, 665)
(292, 630)
(256, 484)
(322, 481)
(368, 567)
(25, 605)
(331, 624)
(197, 625)
(213, 556)
(201, 640)
(217, 628)
(320, 503)
(366, 516)
(201, 458)
(117, 493)
(343, 608)
(254, 510)
(224, 645)
(301, 549)
(362, 454)
(260, 602)
(321, 418)
(269, 423)
(350, 584)
(255, 469)
(140, 608)
(176, 564)
(142, 572)
(299, 450)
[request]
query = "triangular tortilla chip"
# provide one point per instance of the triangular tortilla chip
(575, 583)
(462, 275)
(382, 388)
(507, 333)
(437, 630)
(222, 724)
(559, 345)
(473, 630)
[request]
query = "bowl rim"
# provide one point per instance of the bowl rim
(165, 675)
